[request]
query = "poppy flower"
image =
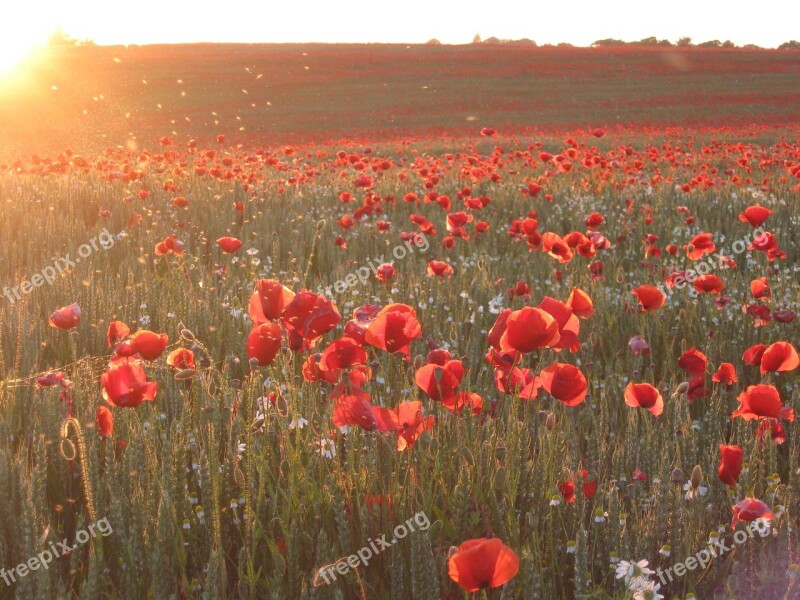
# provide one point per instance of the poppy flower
(644, 395)
(772, 426)
(229, 244)
(356, 327)
(755, 215)
(440, 269)
(730, 465)
(569, 325)
(567, 488)
(761, 401)
(104, 421)
(170, 245)
(307, 318)
(52, 378)
(469, 400)
(565, 383)
(710, 284)
(385, 272)
(264, 342)
(117, 330)
(394, 328)
(180, 202)
(148, 344)
(779, 357)
(693, 362)
(556, 247)
(752, 356)
(650, 297)
(482, 563)
(440, 382)
(181, 358)
(749, 510)
(784, 316)
(341, 354)
(581, 303)
(66, 317)
(355, 410)
(406, 420)
(760, 288)
(639, 346)
(725, 374)
(268, 301)
(520, 289)
(528, 329)
(125, 385)
(699, 245)
(697, 389)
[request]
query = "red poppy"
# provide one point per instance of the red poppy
(125, 385)
(784, 316)
(307, 318)
(440, 382)
(169, 245)
(355, 410)
(229, 244)
(469, 400)
(644, 395)
(569, 325)
(341, 354)
(725, 374)
(385, 272)
(567, 488)
(565, 383)
(638, 346)
(755, 215)
(264, 342)
(440, 269)
(749, 510)
(117, 330)
(650, 297)
(556, 247)
(760, 288)
(752, 356)
(149, 345)
(356, 327)
(483, 563)
(779, 357)
(730, 465)
(269, 300)
(693, 362)
(181, 358)
(52, 378)
(710, 284)
(105, 421)
(393, 329)
(776, 431)
(760, 401)
(406, 420)
(66, 317)
(700, 244)
(526, 329)
(581, 303)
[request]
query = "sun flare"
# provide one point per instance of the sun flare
(14, 49)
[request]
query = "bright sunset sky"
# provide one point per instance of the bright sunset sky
(766, 23)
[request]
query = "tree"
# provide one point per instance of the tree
(684, 42)
(609, 42)
(476, 39)
(433, 42)
(710, 44)
(728, 44)
(790, 45)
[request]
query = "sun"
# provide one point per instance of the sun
(14, 48)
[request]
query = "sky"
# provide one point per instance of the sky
(766, 23)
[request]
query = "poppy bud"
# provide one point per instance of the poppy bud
(185, 374)
(187, 335)
(682, 388)
(697, 476)
(253, 364)
(677, 475)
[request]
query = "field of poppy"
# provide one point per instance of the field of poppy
(260, 366)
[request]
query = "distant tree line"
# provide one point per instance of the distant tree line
(60, 38)
(684, 42)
